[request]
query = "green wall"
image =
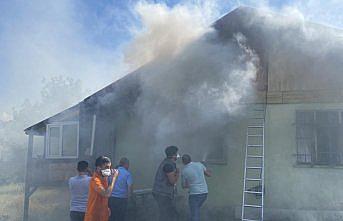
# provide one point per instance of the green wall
(290, 186)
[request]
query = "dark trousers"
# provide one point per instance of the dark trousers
(167, 208)
(195, 202)
(76, 216)
(118, 207)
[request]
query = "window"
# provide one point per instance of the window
(319, 137)
(38, 147)
(62, 140)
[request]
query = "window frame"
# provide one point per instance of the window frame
(315, 126)
(219, 161)
(60, 126)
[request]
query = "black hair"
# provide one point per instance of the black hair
(123, 161)
(171, 151)
(82, 166)
(101, 161)
(186, 159)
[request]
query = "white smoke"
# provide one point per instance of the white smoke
(166, 31)
(192, 82)
(5, 117)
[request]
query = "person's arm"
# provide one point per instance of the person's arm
(206, 171)
(106, 192)
(172, 173)
(172, 177)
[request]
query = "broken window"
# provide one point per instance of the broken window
(62, 140)
(318, 136)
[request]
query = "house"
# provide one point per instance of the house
(300, 83)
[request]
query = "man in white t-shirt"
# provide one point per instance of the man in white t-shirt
(78, 187)
(193, 178)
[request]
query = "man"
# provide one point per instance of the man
(164, 186)
(100, 190)
(193, 177)
(78, 187)
(121, 192)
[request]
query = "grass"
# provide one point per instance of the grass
(47, 203)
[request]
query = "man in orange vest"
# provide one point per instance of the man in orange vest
(100, 191)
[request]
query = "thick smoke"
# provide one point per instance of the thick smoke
(194, 84)
(166, 31)
(296, 50)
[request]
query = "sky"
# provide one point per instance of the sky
(86, 39)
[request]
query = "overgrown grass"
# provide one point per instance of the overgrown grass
(46, 204)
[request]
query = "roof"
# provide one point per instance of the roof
(249, 21)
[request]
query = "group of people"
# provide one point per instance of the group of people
(103, 195)
(192, 178)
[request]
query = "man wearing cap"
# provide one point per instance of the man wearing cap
(164, 186)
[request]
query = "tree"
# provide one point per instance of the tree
(57, 94)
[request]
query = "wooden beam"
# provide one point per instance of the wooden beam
(93, 135)
(28, 191)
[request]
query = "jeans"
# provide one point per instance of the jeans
(77, 216)
(195, 202)
(167, 208)
(118, 207)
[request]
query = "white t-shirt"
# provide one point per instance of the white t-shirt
(78, 187)
(193, 174)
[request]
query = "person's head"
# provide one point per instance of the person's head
(171, 152)
(186, 159)
(82, 167)
(124, 162)
(103, 165)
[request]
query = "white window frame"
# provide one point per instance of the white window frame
(60, 126)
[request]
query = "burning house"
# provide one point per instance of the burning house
(203, 100)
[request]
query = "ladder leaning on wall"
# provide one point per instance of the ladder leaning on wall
(253, 180)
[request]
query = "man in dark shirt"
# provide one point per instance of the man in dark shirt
(164, 186)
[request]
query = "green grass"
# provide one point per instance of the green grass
(46, 204)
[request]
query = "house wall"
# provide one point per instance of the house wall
(294, 192)
(225, 185)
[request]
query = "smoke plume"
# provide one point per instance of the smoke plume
(192, 82)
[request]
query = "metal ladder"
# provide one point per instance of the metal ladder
(253, 186)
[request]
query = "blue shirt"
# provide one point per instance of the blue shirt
(193, 175)
(121, 187)
(78, 187)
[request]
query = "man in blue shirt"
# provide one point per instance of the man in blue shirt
(78, 187)
(121, 192)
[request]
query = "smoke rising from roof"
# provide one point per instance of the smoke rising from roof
(166, 31)
(192, 82)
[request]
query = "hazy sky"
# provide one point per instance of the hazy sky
(84, 39)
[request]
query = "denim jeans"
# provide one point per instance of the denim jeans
(195, 203)
(76, 216)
